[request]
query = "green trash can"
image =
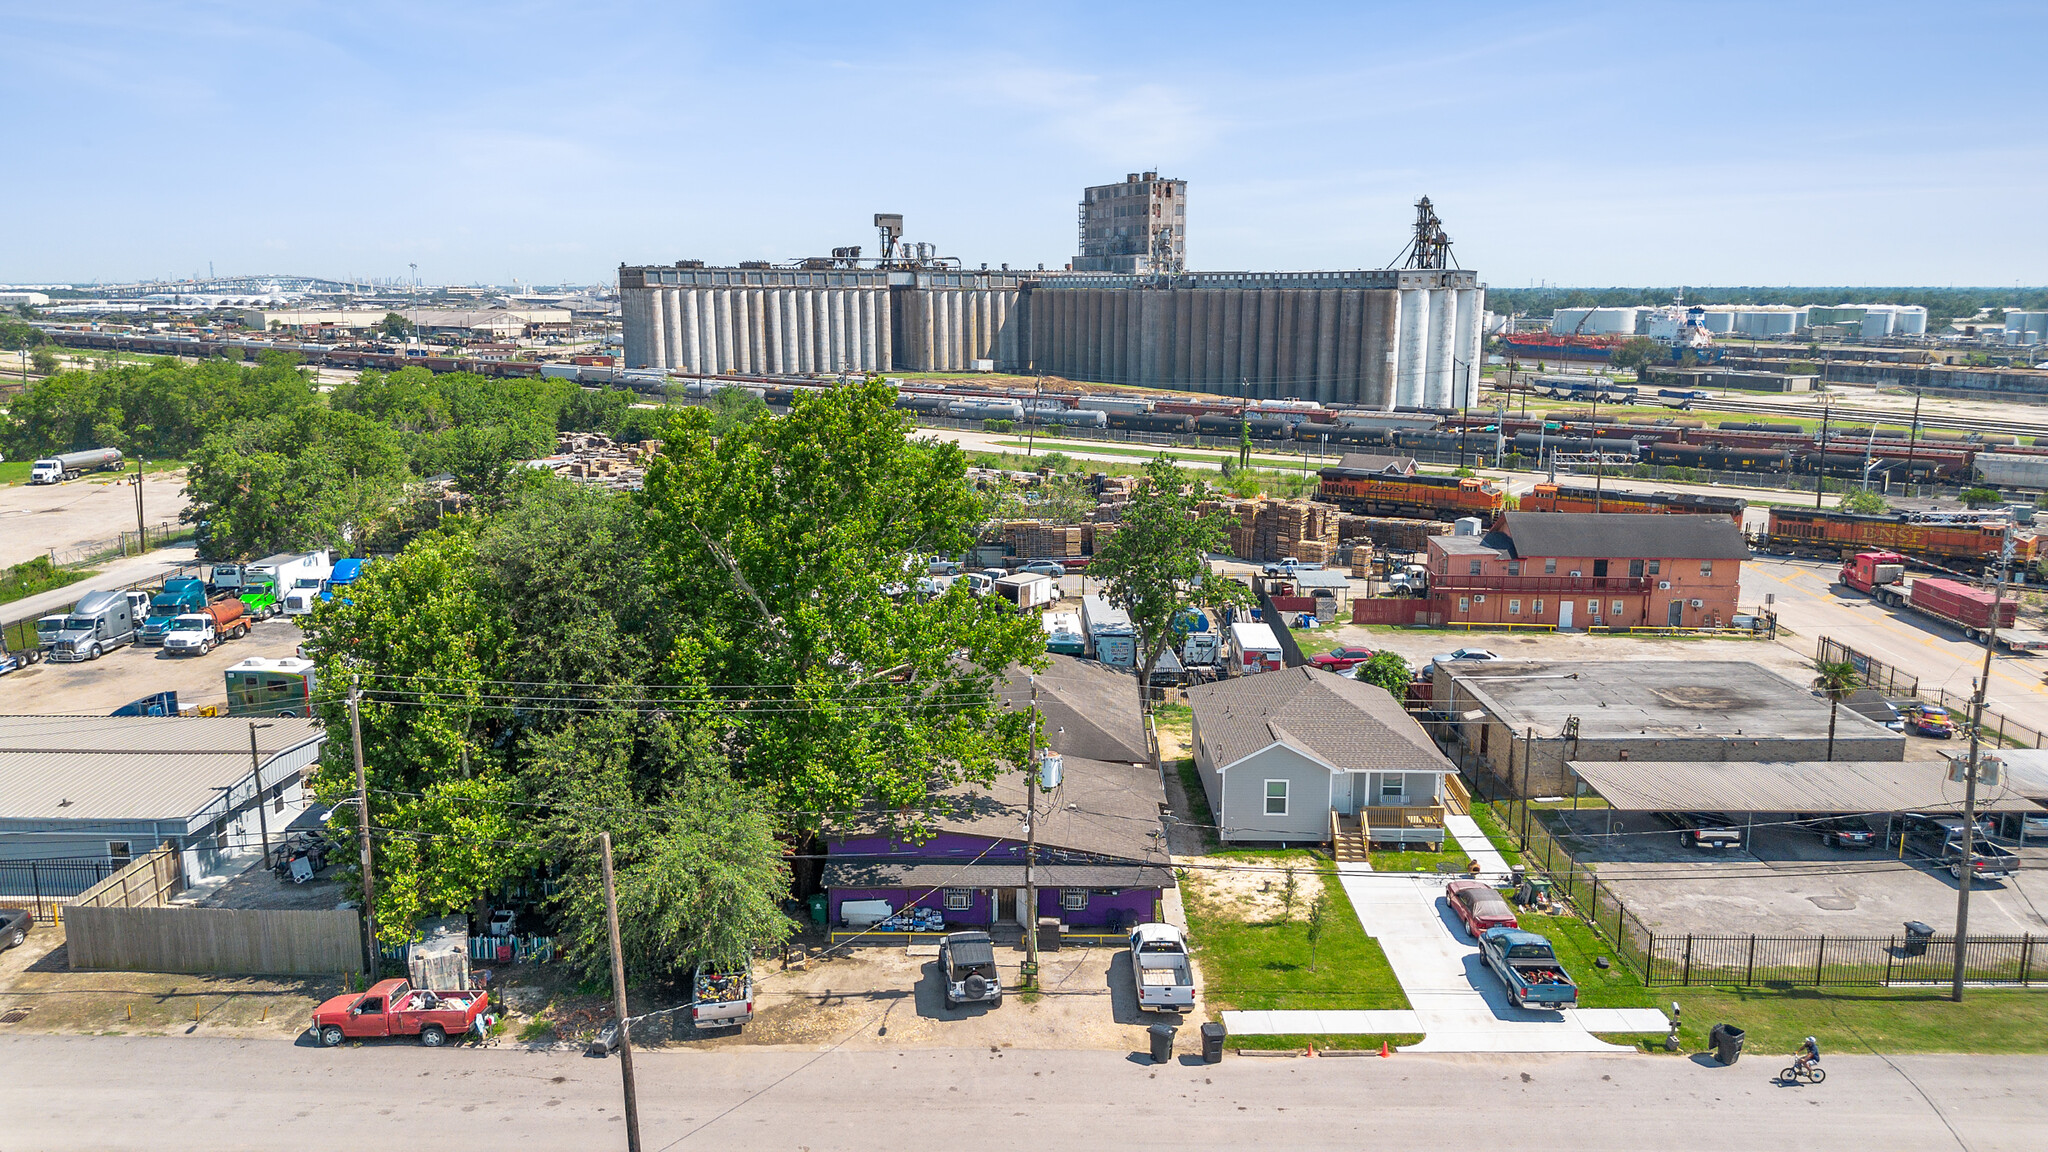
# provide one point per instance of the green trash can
(819, 906)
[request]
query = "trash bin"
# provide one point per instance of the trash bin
(1212, 1043)
(1727, 1042)
(1917, 936)
(819, 908)
(1162, 1042)
(1048, 933)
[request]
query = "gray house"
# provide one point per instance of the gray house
(112, 788)
(1308, 756)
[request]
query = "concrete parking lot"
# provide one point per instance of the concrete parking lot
(1787, 883)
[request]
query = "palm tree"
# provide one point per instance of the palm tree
(1835, 681)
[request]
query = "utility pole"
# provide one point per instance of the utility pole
(1964, 872)
(1912, 439)
(1599, 460)
(355, 741)
(141, 534)
(611, 919)
(1820, 469)
(256, 776)
(1031, 843)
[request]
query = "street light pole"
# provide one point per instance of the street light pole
(1031, 841)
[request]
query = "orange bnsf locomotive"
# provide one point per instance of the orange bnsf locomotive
(1419, 497)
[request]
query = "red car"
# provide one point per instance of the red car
(1478, 906)
(1341, 659)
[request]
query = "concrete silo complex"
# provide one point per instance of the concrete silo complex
(1405, 336)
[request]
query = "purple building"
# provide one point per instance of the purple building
(1102, 859)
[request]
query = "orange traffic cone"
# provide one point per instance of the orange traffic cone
(1311, 1047)
(1384, 1051)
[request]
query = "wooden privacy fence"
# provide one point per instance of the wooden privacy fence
(219, 940)
(148, 881)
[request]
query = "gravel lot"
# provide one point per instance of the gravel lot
(34, 519)
(100, 686)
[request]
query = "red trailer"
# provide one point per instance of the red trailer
(1881, 575)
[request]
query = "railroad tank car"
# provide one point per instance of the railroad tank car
(1170, 422)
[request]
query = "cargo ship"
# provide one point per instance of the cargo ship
(1556, 346)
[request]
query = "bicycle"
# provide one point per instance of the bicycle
(1811, 1073)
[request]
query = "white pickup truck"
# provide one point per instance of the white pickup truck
(1159, 961)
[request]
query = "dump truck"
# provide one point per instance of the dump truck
(1526, 963)
(197, 633)
(72, 465)
(1882, 577)
(396, 1008)
(1159, 963)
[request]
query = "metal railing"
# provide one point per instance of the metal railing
(48, 886)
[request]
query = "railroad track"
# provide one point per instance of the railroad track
(1851, 415)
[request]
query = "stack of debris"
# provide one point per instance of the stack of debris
(1034, 539)
(594, 458)
(1392, 534)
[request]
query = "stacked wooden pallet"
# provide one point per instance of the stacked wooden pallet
(1394, 534)
(1035, 539)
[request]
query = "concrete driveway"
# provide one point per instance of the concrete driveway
(1459, 1003)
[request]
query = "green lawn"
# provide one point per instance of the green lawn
(1323, 1043)
(1383, 861)
(1260, 966)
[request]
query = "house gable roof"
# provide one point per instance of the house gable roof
(1345, 723)
(1101, 808)
(1089, 710)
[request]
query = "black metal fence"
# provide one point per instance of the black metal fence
(1999, 728)
(1841, 961)
(47, 885)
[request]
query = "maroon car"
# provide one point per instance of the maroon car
(1479, 906)
(1341, 659)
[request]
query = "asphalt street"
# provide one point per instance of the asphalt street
(1811, 604)
(176, 1093)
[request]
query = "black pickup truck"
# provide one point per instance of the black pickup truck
(1940, 839)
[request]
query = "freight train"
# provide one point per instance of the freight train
(1559, 498)
(1419, 497)
(1965, 544)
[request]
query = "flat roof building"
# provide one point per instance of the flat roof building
(1137, 226)
(1527, 720)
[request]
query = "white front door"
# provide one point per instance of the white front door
(1024, 907)
(1564, 613)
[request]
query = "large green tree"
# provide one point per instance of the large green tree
(784, 546)
(1156, 566)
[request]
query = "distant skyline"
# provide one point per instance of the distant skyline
(1582, 144)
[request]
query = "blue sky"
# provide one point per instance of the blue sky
(1581, 143)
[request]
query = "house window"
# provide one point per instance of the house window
(277, 798)
(959, 899)
(1706, 569)
(1592, 607)
(1276, 797)
(1394, 788)
(1654, 565)
(1474, 568)
(1514, 607)
(1536, 608)
(1617, 609)
(1075, 899)
(1464, 603)
(118, 853)
(1550, 567)
(1514, 567)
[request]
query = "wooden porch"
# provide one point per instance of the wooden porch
(1352, 836)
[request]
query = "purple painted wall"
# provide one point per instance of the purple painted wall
(1135, 904)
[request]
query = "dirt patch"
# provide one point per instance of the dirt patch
(1252, 891)
(260, 888)
(870, 998)
(37, 981)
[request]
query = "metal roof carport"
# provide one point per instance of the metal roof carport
(1847, 787)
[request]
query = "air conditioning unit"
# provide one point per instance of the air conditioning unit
(1663, 585)
(1479, 599)
(1575, 573)
(1699, 603)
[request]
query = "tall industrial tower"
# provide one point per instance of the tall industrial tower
(1139, 226)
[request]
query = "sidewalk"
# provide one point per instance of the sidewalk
(1493, 867)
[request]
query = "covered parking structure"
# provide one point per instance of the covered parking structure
(1817, 787)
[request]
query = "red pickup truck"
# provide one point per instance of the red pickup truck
(396, 1008)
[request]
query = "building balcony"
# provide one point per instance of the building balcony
(1537, 585)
